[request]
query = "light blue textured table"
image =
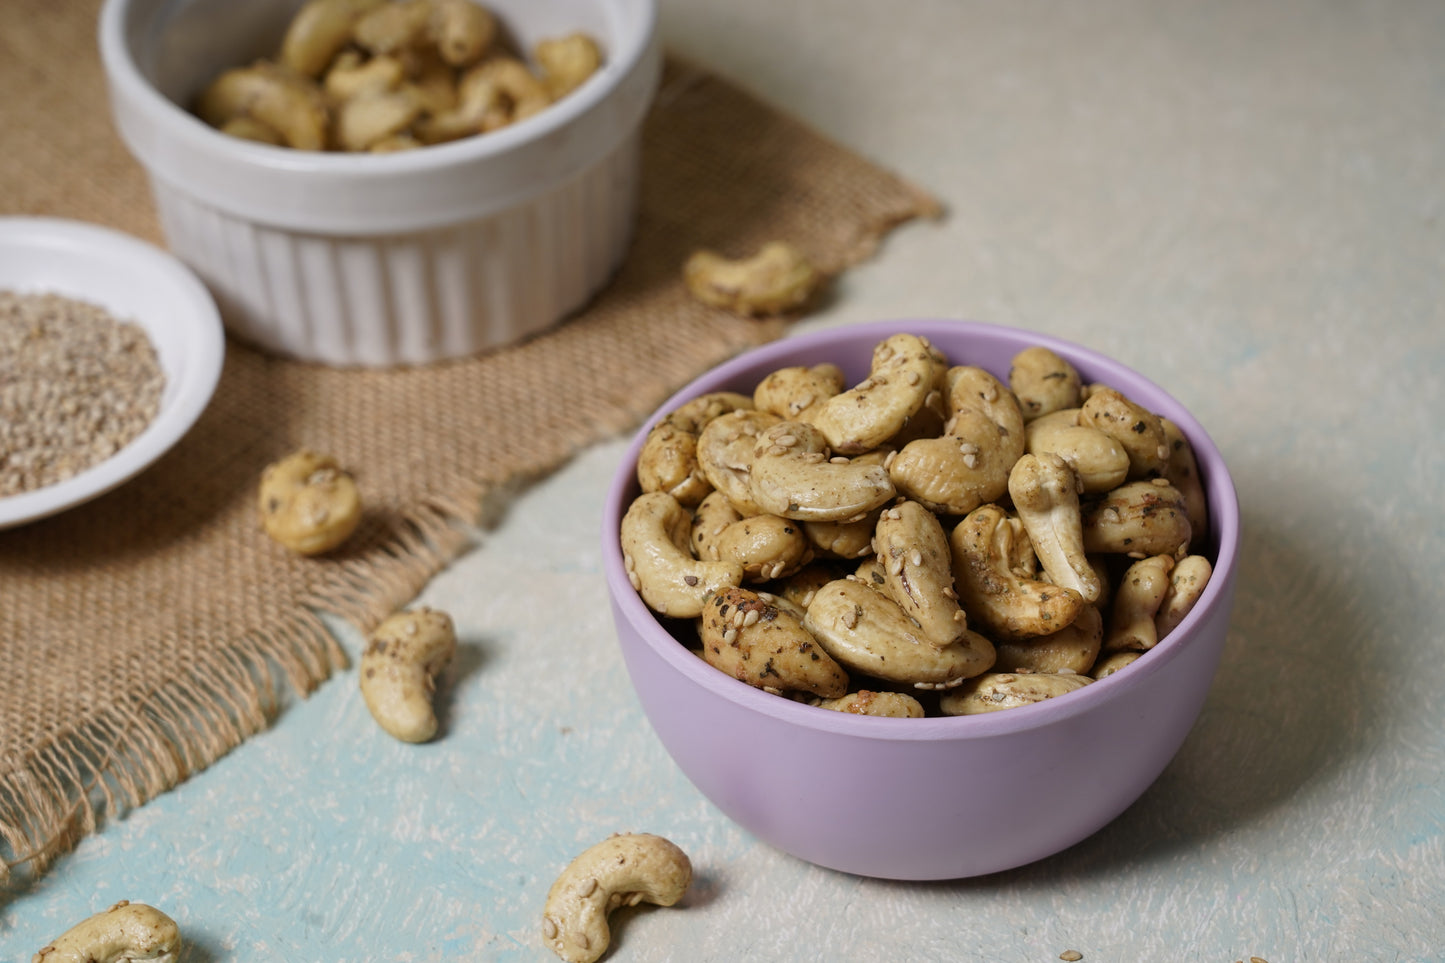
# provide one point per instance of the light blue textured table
(1246, 202)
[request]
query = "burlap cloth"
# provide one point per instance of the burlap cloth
(145, 634)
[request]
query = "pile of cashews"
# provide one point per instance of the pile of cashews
(388, 75)
(931, 541)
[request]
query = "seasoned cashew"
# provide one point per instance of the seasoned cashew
(282, 99)
(800, 587)
(867, 632)
(792, 476)
(373, 116)
(309, 503)
(903, 372)
(668, 460)
(776, 280)
(1045, 494)
(756, 641)
(351, 76)
(1071, 649)
(845, 539)
(461, 30)
(1182, 471)
(866, 702)
(725, 454)
(767, 546)
(622, 870)
(794, 393)
(1134, 427)
(968, 465)
(1007, 690)
(1112, 662)
(655, 551)
(126, 933)
(1186, 583)
(1100, 462)
(567, 62)
(918, 570)
(1136, 601)
(317, 31)
(991, 553)
(1138, 518)
(398, 671)
(1043, 382)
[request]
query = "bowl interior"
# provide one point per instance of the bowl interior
(987, 346)
(136, 282)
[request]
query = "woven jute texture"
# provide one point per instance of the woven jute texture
(146, 633)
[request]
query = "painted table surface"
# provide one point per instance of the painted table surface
(1244, 201)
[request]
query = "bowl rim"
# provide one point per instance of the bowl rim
(190, 388)
(194, 153)
(1220, 491)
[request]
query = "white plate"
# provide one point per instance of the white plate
(134, 281)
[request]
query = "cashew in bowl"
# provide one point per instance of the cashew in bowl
(992, 567)
(1138, 518)
(917, 569)
(795, 392)
(1137, 429)
(1043, 382)
(668, 460)
(776, 280)
(793, 476)
(904, 370)
(622, 870)
(1186, 583)
(1007, 690)
(756, 641)
(399, 669)
(866, 702)
(1045, 494)
(309, 503)
(1100, 462)
(725, 454)
(126, 933)
(655, 549)
(766, 546)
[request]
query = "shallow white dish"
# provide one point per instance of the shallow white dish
(134, 281)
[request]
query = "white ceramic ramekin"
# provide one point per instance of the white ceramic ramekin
(386, 259)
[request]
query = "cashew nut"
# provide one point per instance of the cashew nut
(1045, 494)
(351, 76)
(309, 503)
(1100, 462)
(903, 372)
(918, 570)
(655, 551)
(767, 546)
(1182, 471)
(373, 116)
(126, 933)
(756, 641)
(1138, 518)
(776, 280)
(249, 128)
(1008, 690)
(477, 106)
(725, 454)
(399, 669)
(792, 476)
(1112, 662)
(867, 632)
(282, 99)
(991, 561)
(461, 30)
(668, 460)
(866, 702)
(845, 539)
(622, 870)
(800, 587)
(1134, 427)
(968, 465)
(318, 31)
(1043, 382)
(1136, 601)
(522, 91)
(794, 393)
(1186, 583)
(1071, 649)
(567, 62)
(391, 27)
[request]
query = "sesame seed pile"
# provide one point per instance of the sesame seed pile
(76, 386)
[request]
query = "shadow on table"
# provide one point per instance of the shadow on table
(1299, 694)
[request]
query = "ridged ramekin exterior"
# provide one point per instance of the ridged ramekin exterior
(414, 297)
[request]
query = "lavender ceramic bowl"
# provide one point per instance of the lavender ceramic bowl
(936, 798)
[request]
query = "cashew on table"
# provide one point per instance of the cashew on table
(929, 541)
(126, 933)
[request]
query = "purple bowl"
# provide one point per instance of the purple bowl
(937, 798)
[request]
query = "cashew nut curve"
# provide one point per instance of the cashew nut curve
(281, 99)
(1138, 518)
(1045, 494)
(622, 870)
(1073, 648)
(1134, 427)
(725, 454)
(668, 460)
(318, 31)
(776, 280)
(989, 550)
(1136, 601)
(918, 570)
(1182, 471)
(755, 640)
(904, 370)
(309, 503)
(399, 668)
(793, 476)
(126, 933)
(766, 546)
(866, 702)
(1101, 463)
(659, 564)
(1186, 584)
(1043, 382)
(994, 691)
(794, 393)
(567, 62)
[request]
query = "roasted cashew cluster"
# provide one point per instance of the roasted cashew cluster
(930, 541)
(387, 75)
